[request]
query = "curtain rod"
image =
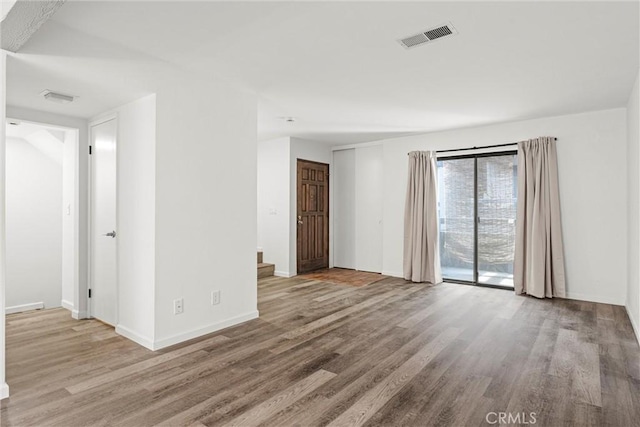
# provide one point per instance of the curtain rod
(480, 148)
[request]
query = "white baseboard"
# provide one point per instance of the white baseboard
(393, 274)
(4, 391)
(67, 304)
(79, 314)
(175, 339)
(134, 336)
(594, 298)
(636, 330)
(24, 307)
(282, 274)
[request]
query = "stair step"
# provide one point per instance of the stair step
(265, 270)
(259, 257)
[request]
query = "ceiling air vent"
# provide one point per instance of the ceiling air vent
(429, 35)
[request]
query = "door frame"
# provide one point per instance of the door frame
(476, 156)
(96, 122)
(328, 210)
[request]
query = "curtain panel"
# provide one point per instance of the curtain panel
(539, 254)
(421, 246)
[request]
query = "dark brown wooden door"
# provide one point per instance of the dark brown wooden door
(313, 216)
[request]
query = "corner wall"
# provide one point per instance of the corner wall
(136, 165)
(633, 196)
(206, 151)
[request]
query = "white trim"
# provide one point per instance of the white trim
(594, 298)
(283, 274)
(636, 329)
(134, 336)
(67, 304)
(102, 118)
(175, 339)
(75, 314)
(392, 274)
(24, 307)
(4, 391)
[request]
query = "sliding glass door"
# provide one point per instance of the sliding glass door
(477, 209)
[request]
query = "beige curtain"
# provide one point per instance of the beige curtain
(539, 259)
(421, 251)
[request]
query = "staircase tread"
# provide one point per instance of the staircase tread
(264, 264)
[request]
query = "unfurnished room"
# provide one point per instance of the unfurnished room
(319, 213)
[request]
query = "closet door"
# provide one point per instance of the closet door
(369, 198)
(344, 208)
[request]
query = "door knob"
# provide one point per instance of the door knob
(112, 234)
(299, 219)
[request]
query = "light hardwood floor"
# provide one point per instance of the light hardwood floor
(392, 353)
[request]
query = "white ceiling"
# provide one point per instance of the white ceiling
(337, 67)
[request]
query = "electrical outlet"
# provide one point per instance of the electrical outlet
(178, 306)
(215, 297)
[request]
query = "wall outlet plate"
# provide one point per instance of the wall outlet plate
(178, 306)
(215, 297)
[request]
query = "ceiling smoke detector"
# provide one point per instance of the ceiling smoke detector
(57, 97)
(427, 36)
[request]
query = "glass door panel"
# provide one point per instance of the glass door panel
(496, 197)
(456, 211)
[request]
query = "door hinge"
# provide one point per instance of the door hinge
(89, 150)
(89, 293)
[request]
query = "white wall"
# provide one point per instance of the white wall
(136, 166)
(592, 163)
(81, 201)
(316, 152)
(369, 211)
(633, 195)
(4, 388)
(34, 225)
(206, 201)
(273, 203)
(69, 219)
(344, 208)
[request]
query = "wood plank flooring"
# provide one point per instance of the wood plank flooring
(343, 276)
(392, 353)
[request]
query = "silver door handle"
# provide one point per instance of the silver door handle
(112, 234)
(299, 219)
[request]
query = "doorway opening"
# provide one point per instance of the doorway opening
(312, 216)
(477, 213)
(42, 218)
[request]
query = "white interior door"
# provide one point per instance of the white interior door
(103, 300)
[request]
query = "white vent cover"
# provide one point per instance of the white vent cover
(427, 36)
